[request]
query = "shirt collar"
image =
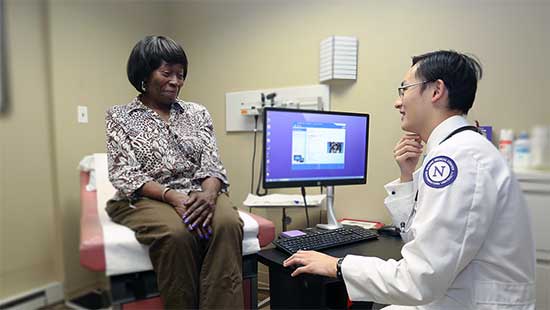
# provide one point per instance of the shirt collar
(444, 129)
(136, 104)
(180, 103)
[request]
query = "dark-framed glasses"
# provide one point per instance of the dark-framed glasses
(401, 89)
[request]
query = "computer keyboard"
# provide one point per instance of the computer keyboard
(325, 239)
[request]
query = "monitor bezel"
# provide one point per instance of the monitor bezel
(308, 183)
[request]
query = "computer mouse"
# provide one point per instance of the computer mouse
(390, 231)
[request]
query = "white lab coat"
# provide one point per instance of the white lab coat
(469, 243)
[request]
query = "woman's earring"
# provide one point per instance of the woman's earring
(143, 86)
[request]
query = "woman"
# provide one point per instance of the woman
(164, 163)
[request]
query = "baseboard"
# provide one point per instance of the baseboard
(36, 298)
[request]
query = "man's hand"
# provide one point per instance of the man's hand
(312, 262)
(407, 153)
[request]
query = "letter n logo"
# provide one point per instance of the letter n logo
(439, 170)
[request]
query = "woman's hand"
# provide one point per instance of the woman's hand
(407, 153)
(176, 199)
(312, 262)
(200, 209)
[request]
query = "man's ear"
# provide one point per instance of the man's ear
(439, 90)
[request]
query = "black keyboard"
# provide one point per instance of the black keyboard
(324, 239)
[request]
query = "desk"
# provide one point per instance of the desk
(312, 291)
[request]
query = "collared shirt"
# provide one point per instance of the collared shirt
(443, 130)
(179, 153)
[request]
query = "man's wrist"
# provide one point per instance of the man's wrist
(339, 274)
(406, 178)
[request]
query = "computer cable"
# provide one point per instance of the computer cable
(305, 205)
(253, 157)
(258, 193)
(260, 176)
(254, 153)
(320, 209)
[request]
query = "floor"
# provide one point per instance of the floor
(262, 295)
(60, 306)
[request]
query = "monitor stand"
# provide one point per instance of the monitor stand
(331, 219)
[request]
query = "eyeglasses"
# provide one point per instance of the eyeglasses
(401, 90)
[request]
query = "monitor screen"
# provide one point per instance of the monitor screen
(310, 148)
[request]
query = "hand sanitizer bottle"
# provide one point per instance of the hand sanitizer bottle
(540, 147)
(522, 152)
(505, 145)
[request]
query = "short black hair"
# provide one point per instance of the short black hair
(147, 56)
(460, 73)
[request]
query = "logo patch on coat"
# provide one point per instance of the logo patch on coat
(440, 171)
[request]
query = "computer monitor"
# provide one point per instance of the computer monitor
(312, 148)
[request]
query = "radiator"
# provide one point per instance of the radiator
(39, 297)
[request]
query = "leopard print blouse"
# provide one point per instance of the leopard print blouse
(142, 147)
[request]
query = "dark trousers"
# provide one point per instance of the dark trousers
(191, 272)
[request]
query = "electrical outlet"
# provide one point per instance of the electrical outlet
(82, 114)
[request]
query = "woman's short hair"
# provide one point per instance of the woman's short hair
(147, 56)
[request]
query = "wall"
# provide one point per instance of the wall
(29, 243)
(61, 54)
(68, 53)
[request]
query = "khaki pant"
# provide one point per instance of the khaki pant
(191, 272)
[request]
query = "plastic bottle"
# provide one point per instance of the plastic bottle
(505, 145)
(522, 152)
(540, 147)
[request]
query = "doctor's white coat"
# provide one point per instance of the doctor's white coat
(469, 237)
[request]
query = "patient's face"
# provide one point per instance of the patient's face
(165, 83)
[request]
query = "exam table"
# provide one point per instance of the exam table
(113, 249)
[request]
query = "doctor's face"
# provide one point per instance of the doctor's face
(411, 102)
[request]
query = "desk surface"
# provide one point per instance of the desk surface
(319, 292)
(385, 247)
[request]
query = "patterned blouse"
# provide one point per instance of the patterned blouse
(142, 147)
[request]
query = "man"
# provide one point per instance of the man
(469, 242)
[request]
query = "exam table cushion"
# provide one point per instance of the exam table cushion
(113, 248)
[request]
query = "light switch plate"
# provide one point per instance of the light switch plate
(82, 114)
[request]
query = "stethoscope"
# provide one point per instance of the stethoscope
(404, 227)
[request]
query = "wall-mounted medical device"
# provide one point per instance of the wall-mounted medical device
(241, 107)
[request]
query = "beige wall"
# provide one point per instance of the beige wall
(69, 53)
(29, 247)
(61, 54)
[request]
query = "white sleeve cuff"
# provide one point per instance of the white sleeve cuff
(400, 201)
(396, 189)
